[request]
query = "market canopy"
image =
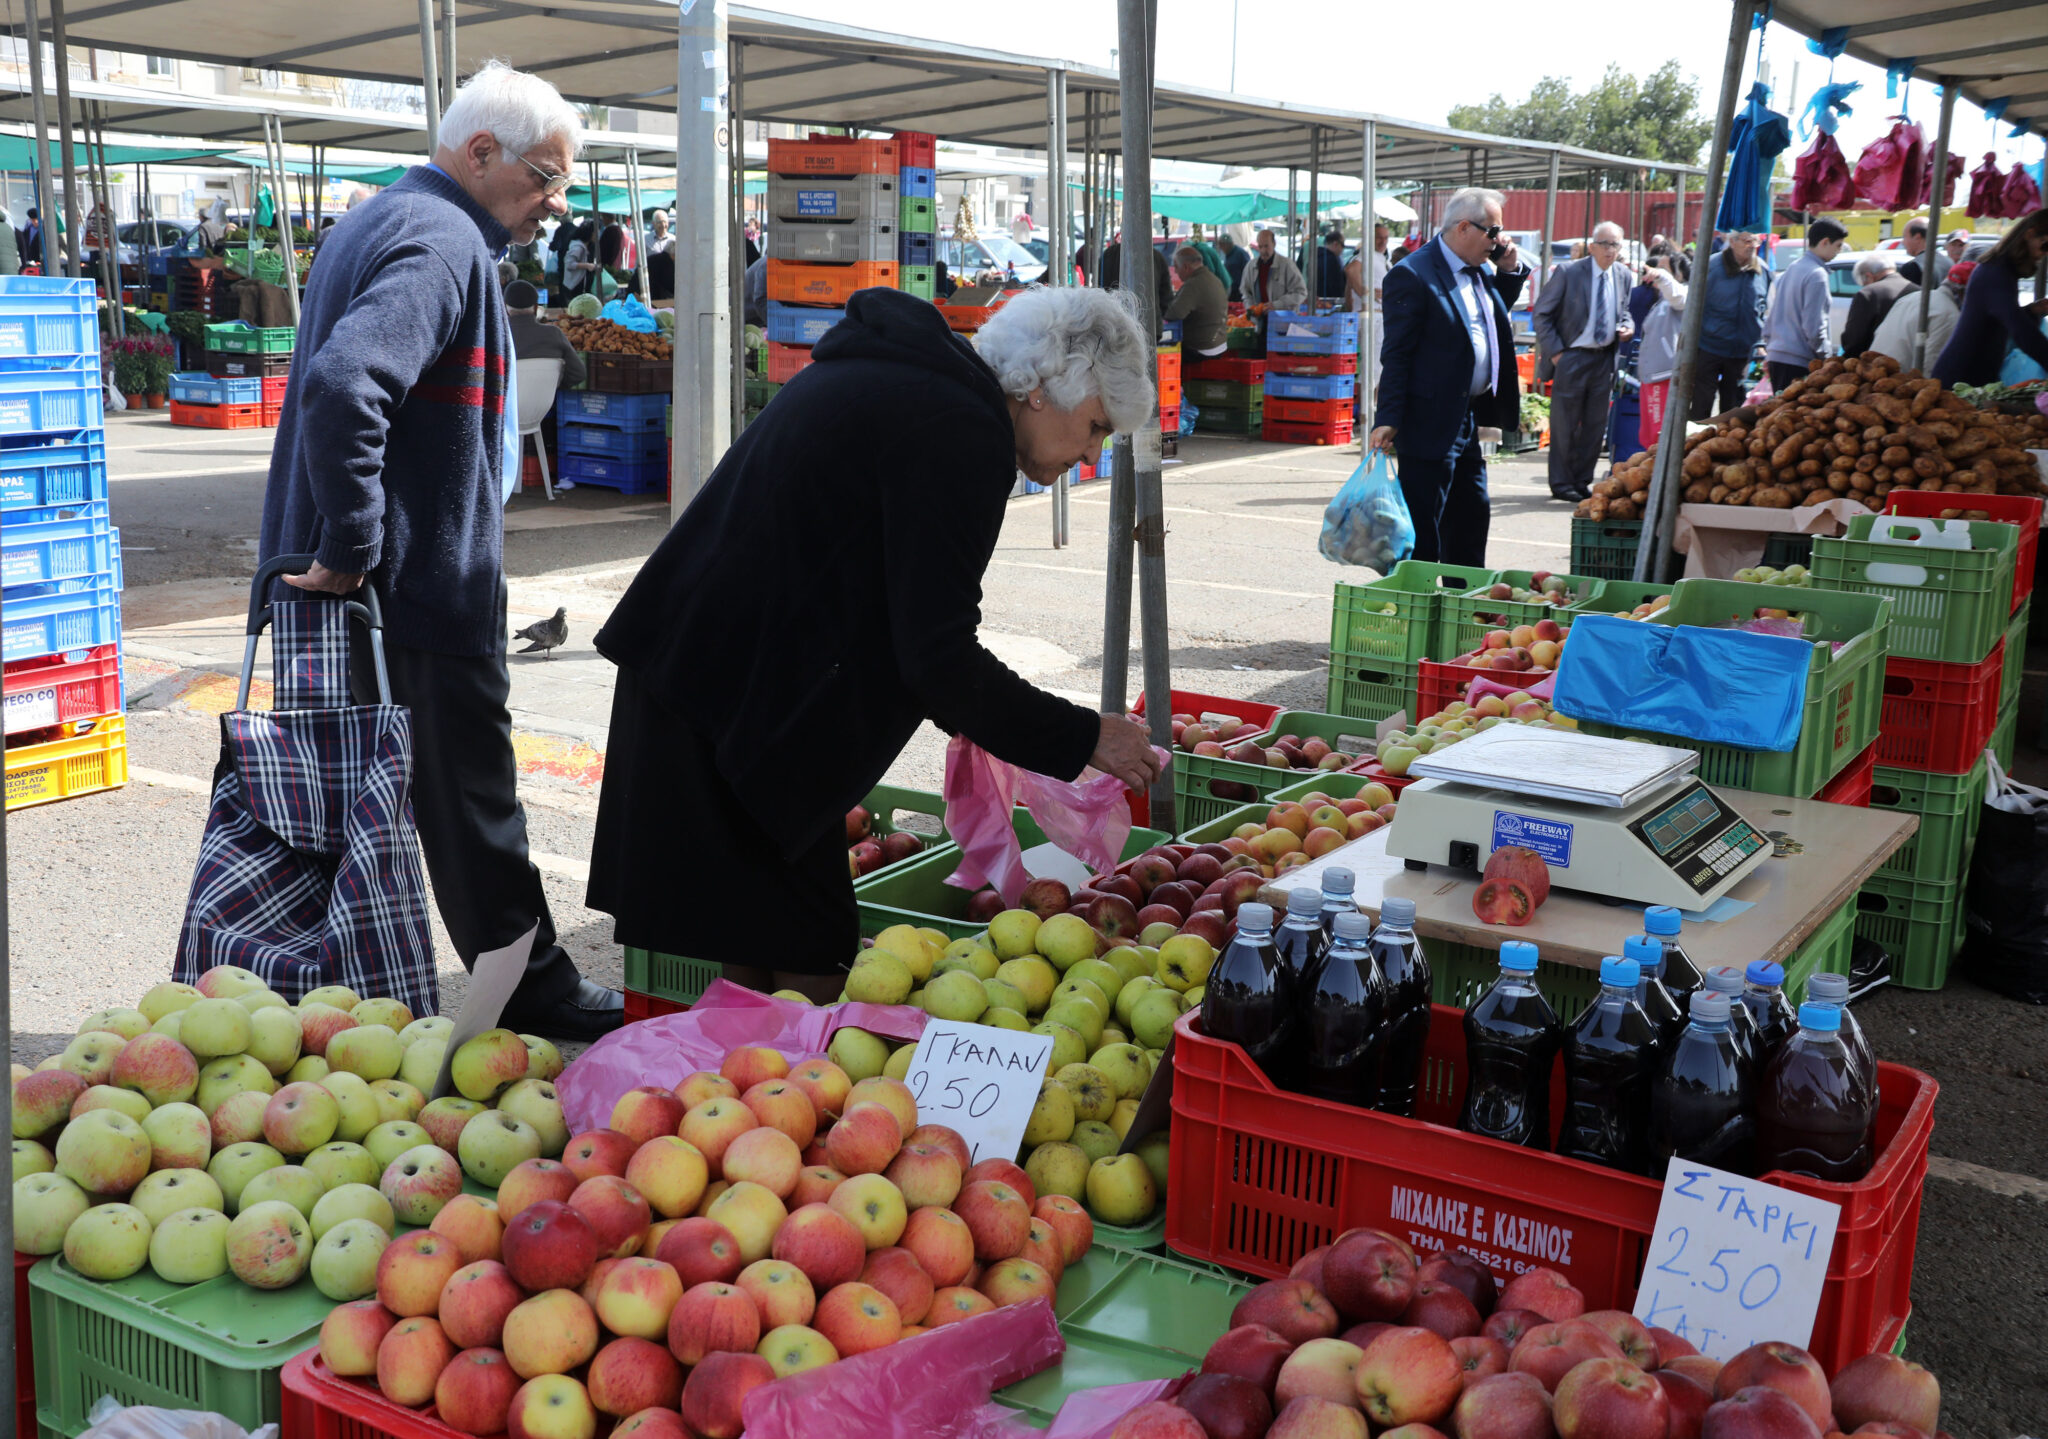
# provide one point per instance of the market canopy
(361, 174)
(18, 152)
(1220, 205)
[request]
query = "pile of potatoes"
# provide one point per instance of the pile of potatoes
(602, 336)
(1852, 429)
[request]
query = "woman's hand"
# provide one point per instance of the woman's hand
(1125, 750)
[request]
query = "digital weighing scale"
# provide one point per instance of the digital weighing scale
(1610, 817)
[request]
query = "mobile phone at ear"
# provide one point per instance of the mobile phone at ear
(1498, 253)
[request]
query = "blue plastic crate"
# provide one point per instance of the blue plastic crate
(1335, 334)
(57, 395)
(45, 624)
(913, 180)
(631, 477)
(578, 405)
(603, 440)
(1311, 387)
(196, 387)
(916, 247)
(68, 470)
(64, 543)
(800, 324)
(44, 316)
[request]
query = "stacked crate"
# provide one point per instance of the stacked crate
(60, 557)
(1311, 380)
(616, 440)
(243, 385)
(1228, 392)
(200, 285)
(1959, 640)
(1168, 374)
(917, 185)
(835, 211)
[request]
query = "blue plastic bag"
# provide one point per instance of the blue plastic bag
(1368, 522)
(630, 314)
(1727, 687)
(2020, 367)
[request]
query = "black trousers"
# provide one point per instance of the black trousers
(1578, 418)
(1447, 499)
(1716, 384)
(465, 800)
(1783, 375)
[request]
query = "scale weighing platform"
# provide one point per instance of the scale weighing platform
(1612, 818)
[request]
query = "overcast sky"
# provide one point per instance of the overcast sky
(1417, 59)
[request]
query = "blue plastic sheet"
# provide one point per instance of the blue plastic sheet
(630, 314)
(1723, 687)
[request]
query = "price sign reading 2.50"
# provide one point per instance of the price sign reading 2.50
(979, 1080)
(1734, 1261)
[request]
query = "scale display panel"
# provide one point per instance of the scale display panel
(1701, 839)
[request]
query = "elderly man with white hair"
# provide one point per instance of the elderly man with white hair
(1581, 318)
(1879, 288)
(820, 598)
(398, 449)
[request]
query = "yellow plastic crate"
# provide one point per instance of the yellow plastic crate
(93, 760)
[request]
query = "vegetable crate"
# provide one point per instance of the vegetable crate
(1918, 922)
(1260, 1176)
(1344, 364)
(1281, 386)
(800, 324)
(1223, 394)
(1852, 786)
(1605, 549)
(628, 477)
(919, 280)
(1939, 717)
(237, 338)
(631, 374)
(831, 155)
(919, 180)
(605, 407)
(1950, 807)
(1300, 784)
(200, 388)
(827, 284)
(2006, 736)
(917, 149)
(646, 1006)
(1220, 367)
(1294, 332)
(1947, 605)
(2014, 668)
(821, 205)
(916, 247)
(1463, 619)
(45, 316)
(2020, 511)
(1438, 684)
(1330, 432)
(1308, 412)
(1395, 618)
(1369, 689)
(834, 244)
(1844, 687)
(86, 757)
(24, 1351)
(60, 470)
(1217, 421)
(917, 214)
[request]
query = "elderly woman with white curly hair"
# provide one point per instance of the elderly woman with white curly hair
(819, 599)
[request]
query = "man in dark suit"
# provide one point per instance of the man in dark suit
(1448, 368)
(1879, 287)
(1582, 321)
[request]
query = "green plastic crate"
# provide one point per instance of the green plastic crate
(1605, 549)
(1224, 394)
(1197, 779)
(1337, 786)
(1844, 688)
(1395, 618)
(1462, 620)
(1947, 605)
(1145, 1239)
(216, 1345)
(1618, 597)
(919, 280)
(1240, 339)
(2015, 657)
(915, 891)
(1918, 922)
(2005, 739)
(239, 339)
(759, 392)
(668, 976)
(1950, 807)
(1370, 690)
(1229, 422)
(918, 215)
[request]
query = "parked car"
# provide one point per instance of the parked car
(966, 260)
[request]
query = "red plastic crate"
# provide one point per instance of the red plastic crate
(1373, 770)
(2020, 510)
(217, 417)
(648, 1006)
(916, 150)
(1312, 364)
(273, 412)
(87, 687)
(317, 1403)
(1309, 412)
(1335, 432)
(1169, 365)
(1438, 684)
(969, 318)
(1237, 371)
(834, 155)
(1939, 717)
(273, 389)
(1259, 1177)
(1194, 703)
(785, 360)
(1169, 419)
(24, 1347)
(1169, 391)
(1853, 785)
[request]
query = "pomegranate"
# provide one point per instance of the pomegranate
(1503, 901)
(1523, 866)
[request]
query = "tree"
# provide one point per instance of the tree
(1657, 118)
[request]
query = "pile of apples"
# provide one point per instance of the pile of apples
(1525, 647)
(1193, 730)
(1285, 751)
(216, 1129)
(1367, 1336)
(1544, 588)
(867, 851)
(1459, 720)
(747, 1225)
(1297, 831)
(1795, 575)
(1648, 607)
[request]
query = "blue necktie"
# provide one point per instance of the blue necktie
(1485, 321)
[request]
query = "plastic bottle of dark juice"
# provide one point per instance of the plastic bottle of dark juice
(1300, 938)
(1339, 885)
(1834, 989)
(1250, 995)
(1726, 980)
(1700, 1107)
(1763, 995)
(1813, 1116)
(1611, 1056)
(1342, 1018)
(1681, 976)
(1511, 1040)
(1406, 969)
(1664, 1011)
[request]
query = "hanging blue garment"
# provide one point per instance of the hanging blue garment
(1760, 134)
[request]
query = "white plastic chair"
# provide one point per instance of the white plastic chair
(538, 380)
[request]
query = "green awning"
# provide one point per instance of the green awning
(1216, 205)
(362, 174)
(18, 152)
(616, 199)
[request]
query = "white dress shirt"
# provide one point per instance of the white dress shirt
(1477, 305)
(1599, 311)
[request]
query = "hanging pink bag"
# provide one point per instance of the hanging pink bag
(2022, 195)
(1948, 189)
(1090, 818)
(1891, 172)
(1820, 179)
(1987, 189)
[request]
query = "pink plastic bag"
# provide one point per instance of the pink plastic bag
(1090, 819)
(1820, 179)
(2022, 195)
(935, 1385)
(1093, 1413)
(1480, 688)
(667, 1049)
(1987, 189)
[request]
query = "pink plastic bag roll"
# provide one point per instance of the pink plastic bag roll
(1090, 818)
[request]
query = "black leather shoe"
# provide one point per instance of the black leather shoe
(1571, 497)
(587, 1012)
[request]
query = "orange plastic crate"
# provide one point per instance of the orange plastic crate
(1309, 412)
(217, 417)
(832, 155)
(967, 318)
(793, 284)
(1169, 391)
(1169, 366)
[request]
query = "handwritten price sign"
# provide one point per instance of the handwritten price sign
(1735, 1261)
(979, 1080)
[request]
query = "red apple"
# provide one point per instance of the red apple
(1551, 1351)
(1123, 886)
(1368, 1276)
(1509, 1325)
(823, 1243)
(598, 1151)
(1291, 1306)
(1113, 916)
(1545, 1291)
(474, 1393)
(1178, 895)
(1670, 1346)
(1364, 1334)
(1158, 1419)
(897, 1274)
(1610, 1399)
(1758, 1412)
(1209, 924)
(1504, 1406)
(1688, 1402)
(1409, 1375)
(1628, 1333)
(1046, 898)
(1150, 870)
(629, 1375)
(1784, 1367)
(1702, 1369)
(1885, 1387)
(997, 1216)
(1228, 1407)
(1466, 1273)
(1311, 1418)
(1250, 1351)
(1322, 1369)
(1480, 1357)
(1310, 1266)
(716, 1390)
(701, 1251)
(713, 1319)
(1001, 1171)
(549, 1246)
(1442, 1309)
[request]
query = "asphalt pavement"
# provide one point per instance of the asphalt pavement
(96, 886)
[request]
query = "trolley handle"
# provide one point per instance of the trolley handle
(362, 605)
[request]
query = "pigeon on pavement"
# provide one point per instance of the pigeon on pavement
(546, 634)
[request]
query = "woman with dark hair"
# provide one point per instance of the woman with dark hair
(1993, 319)
(579, 261)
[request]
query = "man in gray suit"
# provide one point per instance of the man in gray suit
(1581, 321)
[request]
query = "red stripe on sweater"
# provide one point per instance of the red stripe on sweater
(459, 395)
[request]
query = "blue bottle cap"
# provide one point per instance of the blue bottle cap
(1305, 900)
(1253, 915)
(1400, 913)
(1724, 979)
(1352, 926)
(1620, 973)
(1762, 971)
(1338, 880)
(1645, 951)
(1824, 1017)
(1661, 919)
(1828, 988)
(1518, 956)
(1709, 1008)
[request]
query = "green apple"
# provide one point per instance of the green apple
(307, 1069)
(1014, 933)
(103, 1151)
(1153, 1149)
(794, 996)
(1065, 940)
(168, 998)
(1126, 1115)
(1067, 1045)
(1103, 975)
(971, 955)
(107, 1096)
(1157, 933)
(421, 1066)
(1083, 1017)
(535, 1102)
(1096, 1139)
(345, 1260)
(1084, 989)
(45, 1206)
(493, 1145)
(857, 1052)
(1127, 998)
(128, 1023)
(357, 1105)
(393, 1015)
(1033, 976)
(232, 1169)
(1111, 1035)
(486, 1066)
(1153, 1016)
(898, 1066)
(236, 1074)
(1123, 1065)
(1003, 996)
(214, 1028)
(351, 1201)
(1052, 1115)
(912, 946)
(391, 1139)
(879, 977)
(170, 1024)
(269, 1245)
(1058, 1168)
(1194, 996)
(257, 1000)
(338, 995)
(338, 1163)
(1121, 1191)
(956, 996)
(190, 1246)
(167, 1191)
(90, 1056)
(274, 1038)
(108, 1241)
(1093, 1097)
(32, 1158)
(369, 1050)
(1132, 962)
(543, 1060)
(1184, 961)
(397, 1100)
(434, 1026)
(1006, 1019)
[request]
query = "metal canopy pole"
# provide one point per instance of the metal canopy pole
(639, 243)
(703, 377)
(1654, 556)
(102, 191)
(288, 242)
(736, 243)
(1549, 226)
(62, 55)
(1056, 229)
(44, 210)
(1368, 332)
(448, 71)
(430, 75)
(1310, 242)
(1927, 281)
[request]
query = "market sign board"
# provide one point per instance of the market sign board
(979, 1081)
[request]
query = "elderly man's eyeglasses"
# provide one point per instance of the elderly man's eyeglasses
(1607, 244)
(550, 184)
(1492, 231)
